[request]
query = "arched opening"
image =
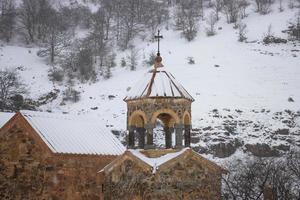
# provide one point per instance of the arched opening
(163, 133)
(167, 129)
(137, 121)
(187, 129)
(186, 119)
(136, 128)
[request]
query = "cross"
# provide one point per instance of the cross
(158, 37)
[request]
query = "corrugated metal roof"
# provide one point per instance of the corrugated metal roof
(158, 83)
(4, 117)
(73, 134)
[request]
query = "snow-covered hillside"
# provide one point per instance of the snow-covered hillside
(228, 76)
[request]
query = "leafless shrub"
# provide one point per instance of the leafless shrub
(242, 28)
(211, 21)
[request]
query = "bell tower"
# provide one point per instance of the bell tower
(158, 96)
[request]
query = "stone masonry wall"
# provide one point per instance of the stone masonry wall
(29, 171)
(149, 106)
(187, 179)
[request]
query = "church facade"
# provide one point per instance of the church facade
(162, 175)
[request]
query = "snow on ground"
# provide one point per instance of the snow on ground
(33, 70)
(249, 76)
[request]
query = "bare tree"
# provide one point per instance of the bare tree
(7, 19)
(132, 58)
(55, 34)
(10, 86)
(243, 4)
(217, 6)
(28, 15)
(263, 6)
(249, 182)
(85, 65)
(294, 163)
(79, 61)
(291, 4)
(231, 10)
(259, 179)
(98, 36)
(211, 21)
(70, 94)
(107, 9)
(242, 28)
(44, 19)
(294, 28)
(156, 15)
(281, 9)
(186, 18)
(130, 25)
(109, 64)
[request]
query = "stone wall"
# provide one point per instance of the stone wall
(150, 106)
(29, 171)
(186, 179)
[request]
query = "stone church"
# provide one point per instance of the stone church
(45, 156)
(176, 172)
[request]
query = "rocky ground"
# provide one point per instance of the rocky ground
(259, 132)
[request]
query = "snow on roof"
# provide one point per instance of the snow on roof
(159, 83)
(73, 134)
(4, 117)
(156, 162)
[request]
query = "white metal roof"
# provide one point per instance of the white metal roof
(159, 83)
(4, 117)
(73, 134)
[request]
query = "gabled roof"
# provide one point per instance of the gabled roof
(158, 83)
(4, 117)
(156, 162)
(71, 134)
(163, 161)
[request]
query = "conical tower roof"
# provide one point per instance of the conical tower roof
(158, 83)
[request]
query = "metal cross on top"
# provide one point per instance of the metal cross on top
(158, 37)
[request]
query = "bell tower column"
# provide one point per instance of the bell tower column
(168, 136)
(187, 135)
(131, 138)
(149, 127)
(178, 135)
(141, 134)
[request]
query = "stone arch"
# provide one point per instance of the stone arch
(165, 111)
(186, 119)
(138, 118)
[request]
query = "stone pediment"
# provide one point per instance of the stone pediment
(160, 160)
